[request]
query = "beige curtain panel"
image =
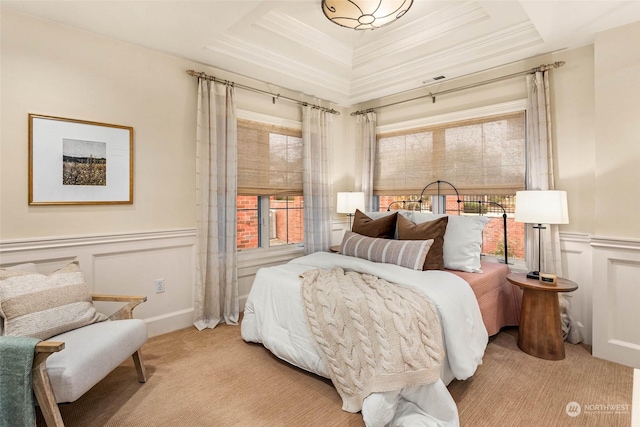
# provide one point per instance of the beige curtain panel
(216, 288)
(367, 147)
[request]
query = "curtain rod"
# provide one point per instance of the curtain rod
(274, 96)
(541, 68)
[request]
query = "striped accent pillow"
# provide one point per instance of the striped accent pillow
(39, 306)
(405, 253)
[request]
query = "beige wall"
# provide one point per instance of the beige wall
(617, 132)
(573, 112)
(54, 70)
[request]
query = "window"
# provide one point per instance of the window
(493, 234)
(286, 220)
(283, 223)
(410, 202)
(483, 157)
(270, 202)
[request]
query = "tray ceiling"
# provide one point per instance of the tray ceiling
(293, 45)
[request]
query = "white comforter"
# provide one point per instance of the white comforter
(274, 316)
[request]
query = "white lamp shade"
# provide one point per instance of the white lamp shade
(349, 202)
(542, 207)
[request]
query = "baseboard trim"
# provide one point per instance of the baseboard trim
(169, 322)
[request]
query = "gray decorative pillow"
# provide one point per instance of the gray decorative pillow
(39, 306)
(405, 253)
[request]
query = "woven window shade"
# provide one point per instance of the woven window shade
(269, 159)
(482, 156)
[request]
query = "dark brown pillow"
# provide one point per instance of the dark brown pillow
(384, 227)
(408, 230)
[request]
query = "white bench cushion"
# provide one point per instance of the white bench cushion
(90, 354)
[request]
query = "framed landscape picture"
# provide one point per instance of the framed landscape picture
(76, 162)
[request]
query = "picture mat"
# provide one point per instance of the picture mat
(46, 168)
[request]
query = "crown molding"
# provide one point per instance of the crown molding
(306, 36)
(420, 32)
(244, 50)
(392, 79)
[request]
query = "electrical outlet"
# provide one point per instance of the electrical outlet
(159, 286)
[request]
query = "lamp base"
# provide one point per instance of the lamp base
(533, 275)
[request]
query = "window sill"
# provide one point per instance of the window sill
(516, 265)
(273, 255)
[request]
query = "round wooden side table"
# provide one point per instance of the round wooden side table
(540, 332)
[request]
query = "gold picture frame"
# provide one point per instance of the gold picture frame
(79, 162)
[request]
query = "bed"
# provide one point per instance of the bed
(473, 300)
(274, 317)
(498, 299)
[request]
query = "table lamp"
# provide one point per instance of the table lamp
(541, 207)
(348, 202)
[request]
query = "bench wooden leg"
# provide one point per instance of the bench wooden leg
(142, 373)
(44, 394)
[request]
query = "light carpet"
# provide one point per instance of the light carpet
(214, 378)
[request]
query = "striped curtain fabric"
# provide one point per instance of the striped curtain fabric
(216, 293)
(317, 179)
(367, 152)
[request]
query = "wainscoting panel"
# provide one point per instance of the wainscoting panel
(616, 293)
(126, 264)
(577, 266)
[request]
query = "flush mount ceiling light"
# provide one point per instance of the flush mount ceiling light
(365, 14)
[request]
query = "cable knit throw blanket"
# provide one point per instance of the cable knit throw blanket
(374, 336)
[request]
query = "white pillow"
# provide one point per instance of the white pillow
(462, 240)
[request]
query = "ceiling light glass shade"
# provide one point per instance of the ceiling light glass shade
(365, 14)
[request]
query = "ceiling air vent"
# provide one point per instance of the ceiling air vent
(433, 79)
